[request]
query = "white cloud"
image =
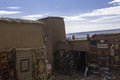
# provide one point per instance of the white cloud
(73, 18)
(104, 11)
(115, 10)
(106, 19)
(110, 14)
(13, 7)
(98, 19)
(114, 1)
(3, 12)
(72, 26)
(33, 17)
(104, 15)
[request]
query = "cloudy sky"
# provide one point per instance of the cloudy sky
(79, 15)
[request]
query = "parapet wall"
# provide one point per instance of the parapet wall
(21, 35)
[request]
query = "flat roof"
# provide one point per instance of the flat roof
(18, 20)
(107, 34)
(54, 17)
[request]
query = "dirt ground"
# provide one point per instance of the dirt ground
(79, 76)
(73, 76)
(116, 72)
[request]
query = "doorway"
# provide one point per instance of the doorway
(80, 60)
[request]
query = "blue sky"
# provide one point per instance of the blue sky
(79, 15)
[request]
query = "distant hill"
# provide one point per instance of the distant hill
(84, 34)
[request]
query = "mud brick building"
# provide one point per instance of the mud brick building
(54, 30)
(16, 33)
(22, 50)
(108, 49)
(102, 49)
(35, 42)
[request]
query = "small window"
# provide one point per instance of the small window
(25, 65)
